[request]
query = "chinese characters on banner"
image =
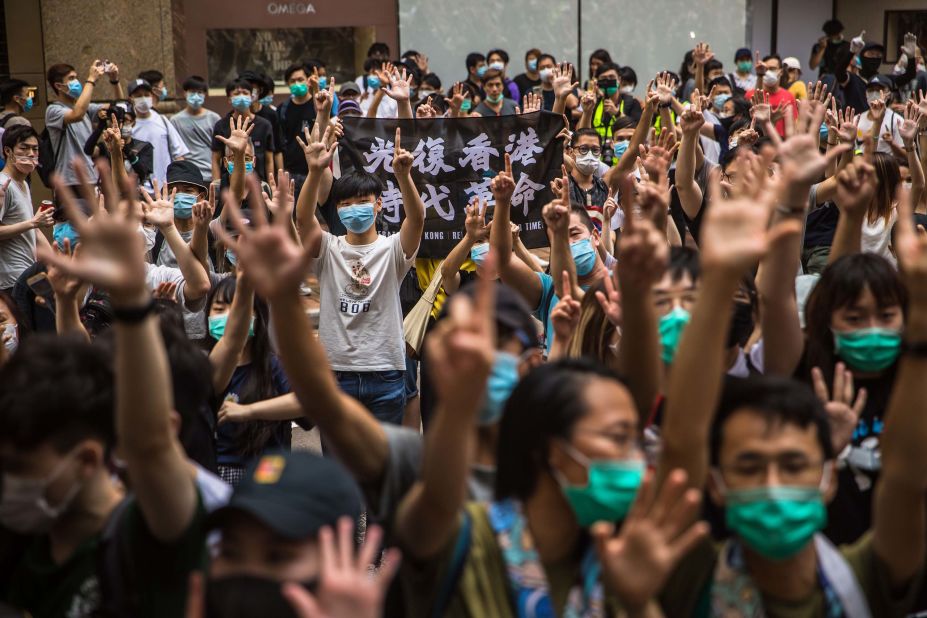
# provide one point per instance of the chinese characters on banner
(455, 160)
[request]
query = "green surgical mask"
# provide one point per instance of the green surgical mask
(671, 327)
(775, 521)
(217, 326)
(609, 491)
(745, 66)
(610, 91)
(868, 349)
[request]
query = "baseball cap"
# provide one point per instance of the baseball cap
(136, 84)
(512, 312)
(349, 107)
(879, 81)
(349, 87)
(743, 52)
(185, 171)
(791, 63)
(294, 494)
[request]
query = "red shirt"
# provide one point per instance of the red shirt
(781, 95)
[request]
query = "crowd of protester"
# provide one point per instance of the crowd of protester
(706, 397)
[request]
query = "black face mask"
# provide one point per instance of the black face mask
(741, 325)
(607, 83)
(727, 122)
(247, 596)
(869, 66)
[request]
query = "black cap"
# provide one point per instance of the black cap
(136, 84)
(743, 52)
(187, 172)
(873, 46)
(294, 494)
(879, 81)
(512, 312)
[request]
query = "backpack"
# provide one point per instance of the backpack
(48, 155)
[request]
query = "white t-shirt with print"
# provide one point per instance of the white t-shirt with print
(891, 125)
(360, 319)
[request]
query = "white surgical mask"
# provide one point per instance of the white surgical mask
(873, 95)
(13, 338)
(498, 66)
(628, 89)
(143, 104)
(771, 77)
(587, 163)
(24, 508)
(545, 74)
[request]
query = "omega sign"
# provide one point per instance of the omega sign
(290, 8)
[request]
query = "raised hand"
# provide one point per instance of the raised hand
(458, 94)
(912, 119)
(610, 300)
(113, 252)
(761, 110)
(159, 211)
(564, 317)
(857, 43)
(324, 98)
(530, 103)
(800, 158)
(911, 248)
(877, 108)
(556, 214)
(644, 252)
(386, 73)
(63, 283)
(267, 253)
(503, 184)
(204, 210)
(345, 585)
(425, 110)
(241, 129)
(655, 535)
(166, 290)
(399, 89)
(909, 46)
(96, 70)
(562, 81)
(402, 159)
(848, 125)
(702, 53)
(112, 137)
(318, 155)
(856, 184)
(665, 85)
(475, 227)
(691, 120)
(758, 65)
(842, 412)
(818, 91)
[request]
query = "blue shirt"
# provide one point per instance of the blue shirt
(546, 304)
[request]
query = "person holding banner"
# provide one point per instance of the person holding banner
(360, 320)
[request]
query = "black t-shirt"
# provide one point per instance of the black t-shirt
(526, 84)
(293, 118)
(821, 226)
(262, 137)
(271, 116)
(829, 60)
(630, 106)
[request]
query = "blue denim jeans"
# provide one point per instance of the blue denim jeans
(381, 392)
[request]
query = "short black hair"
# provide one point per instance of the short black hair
(601, 55)
(194, 82)
(378, 47)
(152, 76)
(315, 63)
(57, 390)
(534, 51)
(832, 27)
(18, 133)
(684, 261)
(499, 52)
(580, 211)
(432, 80)
(474, 58)
(298, 66)
(778, 400)
(627, 75)
(588, 132)
(409, 53)
(235, 84)
(713, 64)
(545, 405)
(721, 80)
(543, 56)
(772, 57)
(356, 184)
(608, 66)
(623, 122)
(372, 64)
(56, 73)
(11, 88)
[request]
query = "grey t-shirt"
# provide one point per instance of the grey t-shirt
(360, 319)
(196, 132)
(17, 253)
(75, 134)
(155, 275)
(194, 321)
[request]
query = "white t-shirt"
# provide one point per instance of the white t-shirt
(891, 124)
(876, 237)
(388, 107)
(154, 129)
(360, 319)
(156, 275)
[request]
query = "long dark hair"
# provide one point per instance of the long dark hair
(259, 385)
(888, 175)
(546, 404)
(841, 283)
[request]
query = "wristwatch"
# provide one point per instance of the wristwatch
(133, 315)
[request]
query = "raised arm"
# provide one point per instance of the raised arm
(237, 142)
(319, 154)
(156, 463)
(399, 92)
(899, 514)
(160, 212)
(909, 130)
(563, 85)
(410, 233)
(461, 349)
(557, 219)
(801, 164)
(82, 104)
(734, 237)
(277, 266)
(690, 194)
(701, 55)
(66, 288)
(475, 230)
(856, 184)
(202, 216)
(225, 354)
(512, 272)
(641, 132)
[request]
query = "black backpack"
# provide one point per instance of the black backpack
(48, 155)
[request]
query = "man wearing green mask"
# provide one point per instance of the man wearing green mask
(295, 114)
(765, 450)
(495, 103)
(744, 77)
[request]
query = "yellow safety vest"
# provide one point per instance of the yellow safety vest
(605, 132)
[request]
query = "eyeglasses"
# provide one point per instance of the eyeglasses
(587, 149)
(790, 469)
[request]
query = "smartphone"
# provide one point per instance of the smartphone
(39, 284)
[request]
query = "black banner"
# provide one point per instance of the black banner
(455, 159)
